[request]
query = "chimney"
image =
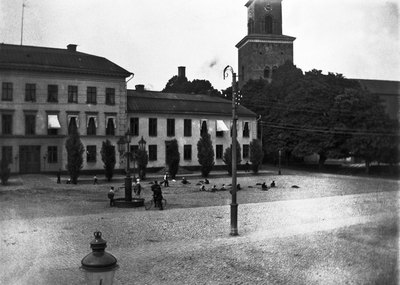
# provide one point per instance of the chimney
(71, 47)
(181, 72)
(139, 87)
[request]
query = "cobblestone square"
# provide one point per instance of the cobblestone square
(333, 229)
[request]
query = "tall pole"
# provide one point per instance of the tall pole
(234, 205)
(22, 20)
(128, 180)
(280, 154)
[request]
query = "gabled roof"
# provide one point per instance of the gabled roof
(381, 87)
(32, 58)
(189, 104)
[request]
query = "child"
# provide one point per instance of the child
(110, 196)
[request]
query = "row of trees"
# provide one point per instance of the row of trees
(308, 113)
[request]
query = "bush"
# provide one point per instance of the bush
(4, 171)
(228, 157)
(75, 152)
(205, 153)
(173, 158)
(256, 155)
(108, 158)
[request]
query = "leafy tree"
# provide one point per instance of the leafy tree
(371, 132)
(227, 157)
(198, 86)
(4, 171)
(75, 152)
(142, 159)
(173, 157)
(256, 155)
(108, 158)
(205, 153)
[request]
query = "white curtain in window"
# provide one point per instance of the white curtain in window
(76, 119)
(52, 122)
(113, 120)
(94, 119)
(221, 127)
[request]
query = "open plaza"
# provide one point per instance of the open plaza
(328, 229)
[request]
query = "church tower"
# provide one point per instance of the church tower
(264, 48)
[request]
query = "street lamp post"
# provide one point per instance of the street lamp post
(99, 266)
(280, 154)
(234, 205)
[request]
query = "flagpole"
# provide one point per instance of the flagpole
(22, 20)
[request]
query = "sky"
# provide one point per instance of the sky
(357, 38)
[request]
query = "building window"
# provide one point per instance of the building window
(246, 151)
(52, 154)
(72, 124)
(250, 26)
(53, 124)
(153, 152)
(187, 152)
(187, 127)
(219, 151)
(170, 127)
(6, 124)
(110, 127)
(134, 127)
(52, 93)
(7, 91)
(91, 126)
(91, 94)
(72, 94)
(6, 153)
(30, 92)
(203, 128)
(153, 127)
(91, 153)
(110, 96)
(268, 23)
(246, 131)
(30, 124)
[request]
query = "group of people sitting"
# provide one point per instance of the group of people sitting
(265, 187)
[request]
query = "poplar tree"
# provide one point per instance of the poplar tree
(205, 152)
(75, 152)
(108, 158)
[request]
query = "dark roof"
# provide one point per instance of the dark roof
(190, 104)
(34, 58)
(381, 87)
(265, 37)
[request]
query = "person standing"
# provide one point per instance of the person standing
(95, 180)
(157, 195)
(110, 196)
(166, 177)
(138, 188)
(59, 176)
(247, 167)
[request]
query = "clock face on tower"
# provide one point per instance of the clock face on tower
(268, 7)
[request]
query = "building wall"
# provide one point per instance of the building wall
(162, 137)
(18, 108)
(256, 55)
